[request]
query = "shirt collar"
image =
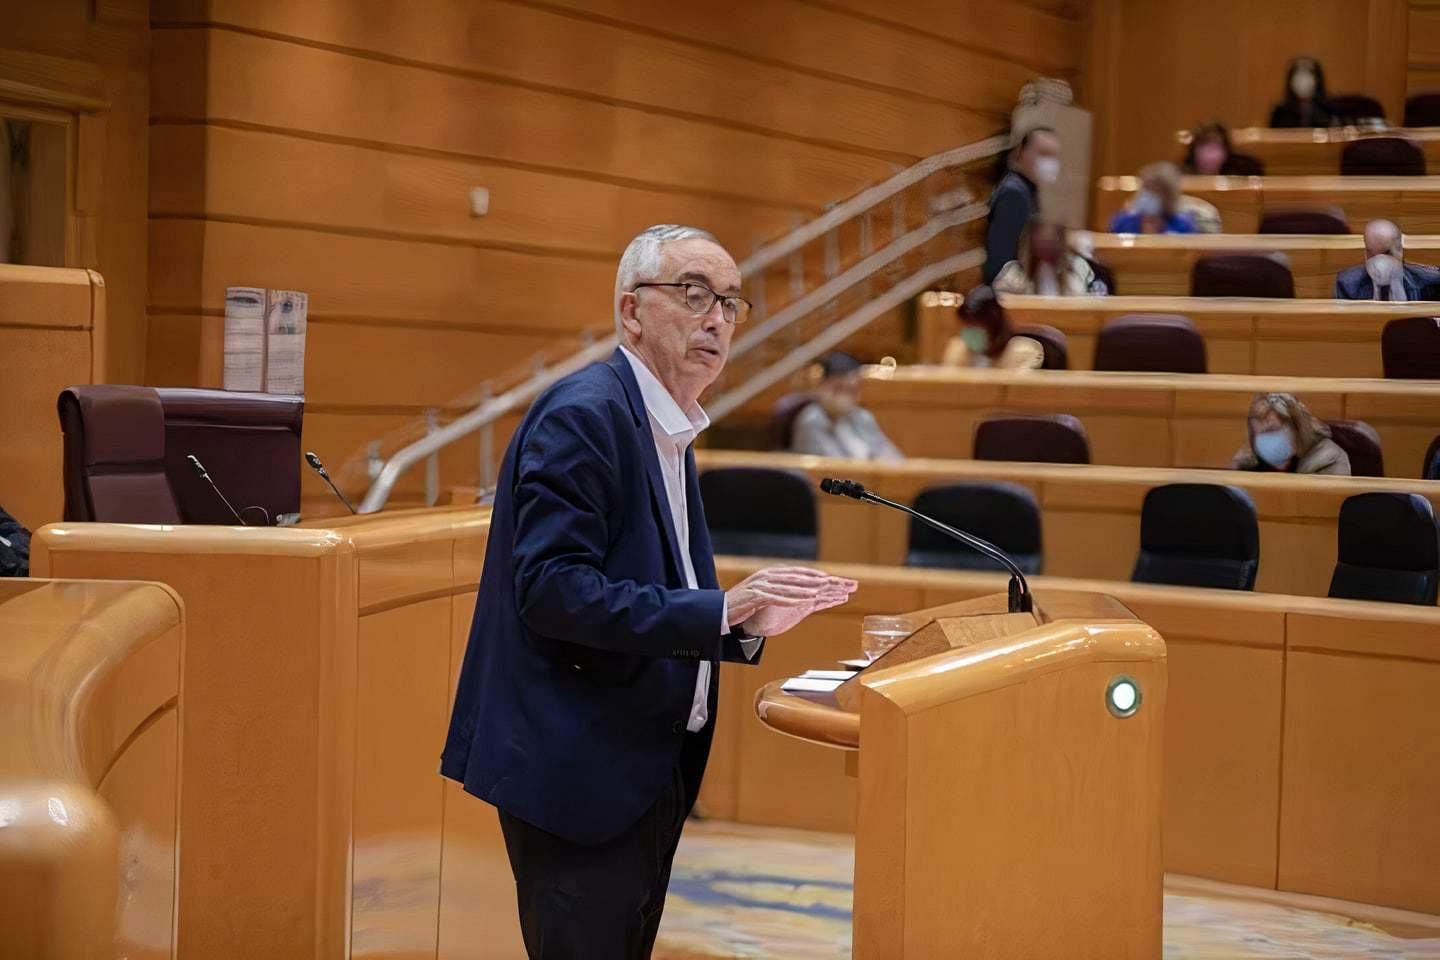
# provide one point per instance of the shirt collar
(661, 406)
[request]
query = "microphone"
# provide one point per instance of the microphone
(318, 467)
(200, 469)
(1021, 600)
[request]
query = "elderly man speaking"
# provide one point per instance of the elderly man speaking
(586, 704)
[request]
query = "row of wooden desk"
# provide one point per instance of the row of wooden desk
(1288, 338)
(318, 666)
(1315, 151)
(1138, 419)
(1412, 202)
(1090, 515)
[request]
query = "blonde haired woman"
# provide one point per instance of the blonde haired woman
(1285, 437)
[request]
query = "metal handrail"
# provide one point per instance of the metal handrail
(483, 416)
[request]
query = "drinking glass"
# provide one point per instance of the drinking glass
(878, 634)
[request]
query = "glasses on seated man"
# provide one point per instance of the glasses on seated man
(701, 299)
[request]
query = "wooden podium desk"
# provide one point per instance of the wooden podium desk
(90, 715)
(1316, 151)
(1159, 266)
(1412, 202)
(1142, 419)
(1009, 773)
(1302, 743)
(319, 670)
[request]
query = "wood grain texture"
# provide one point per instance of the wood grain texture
(586, 120)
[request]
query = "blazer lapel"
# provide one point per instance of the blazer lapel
(661, 502)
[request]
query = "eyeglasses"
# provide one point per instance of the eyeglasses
(701, 300)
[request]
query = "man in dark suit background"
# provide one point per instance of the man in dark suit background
(585, 705)
(1385, 275)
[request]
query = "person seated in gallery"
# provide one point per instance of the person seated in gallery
(1156, 208)
(1304, 103)
(835, 425)
(1047, 266)
(1210, 154)
(986, 338)
(1385, 275)
(1285, 437)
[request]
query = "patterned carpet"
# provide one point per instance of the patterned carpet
(741, 891)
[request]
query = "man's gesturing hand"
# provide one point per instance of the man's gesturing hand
(771, 601)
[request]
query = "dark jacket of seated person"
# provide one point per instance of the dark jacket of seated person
(1418, 281)
(1035, 160)
(1304, 102)
(1285, 437)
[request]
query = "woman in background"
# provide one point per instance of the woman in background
(986, 338)
(1156, 208)
(1211, 154)
(1285, 437)
(1047, 266)
(1304, 104)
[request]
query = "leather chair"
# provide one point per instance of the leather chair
(1055, 439)
(114, 455)
(1242, 275)
(1102, 273)
(1389, 549)
(1155, 342)
(760, 512)
(1410, 348)
(1355, 107)
(1004, 513)
(249, 443)
(1057, 353)
(1382, 157)
(1330, 220)
(782, 418)
(1423, 110)
(1361, 444)
(1198, 535)
(1430, 466)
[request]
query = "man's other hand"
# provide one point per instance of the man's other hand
(771, 601)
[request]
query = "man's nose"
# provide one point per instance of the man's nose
(714, 318)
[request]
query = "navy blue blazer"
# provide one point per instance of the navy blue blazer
(580, 671)
(1353, 283)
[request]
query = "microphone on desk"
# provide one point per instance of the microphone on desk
(315, 464)
(1020, 597)
(204, 475)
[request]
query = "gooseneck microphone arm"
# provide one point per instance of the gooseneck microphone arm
(314, 460)
(1020, 597)
(204, 475)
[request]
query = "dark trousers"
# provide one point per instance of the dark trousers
(597, 902)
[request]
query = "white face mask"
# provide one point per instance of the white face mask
(1147, 204)
(1275, 447)
(1387, 273)
(1047, 169)
(1303, 84)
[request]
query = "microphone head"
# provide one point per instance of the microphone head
(314, 462)
(195, 463)
(842, 488)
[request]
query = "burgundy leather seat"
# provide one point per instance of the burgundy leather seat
(1382, 157)
(1055, 439)
(1361, 444)
(1155, 342)
(250, 444)
(1242, 275)
(114, 467)
(1329, 220)
(1354, 107)
(1410, 348)
(1057, 353)
(1423, 110)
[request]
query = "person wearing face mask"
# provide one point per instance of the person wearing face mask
(1156, 207)
(835, 425)
(1285, 437)
(1211, 155)
(1047, 266)
(1305, 102)
(1035, 160)
(1385, 275)
(986, 338)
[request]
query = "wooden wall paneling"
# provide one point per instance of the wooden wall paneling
(1423, 47)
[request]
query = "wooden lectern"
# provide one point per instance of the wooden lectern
(1010, 778)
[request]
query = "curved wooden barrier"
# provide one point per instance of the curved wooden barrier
(89, 705)
(1302, 747)
(1142, 419)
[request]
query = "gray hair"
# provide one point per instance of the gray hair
(641, 261)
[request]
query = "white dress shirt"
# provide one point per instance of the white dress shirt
(674, 430)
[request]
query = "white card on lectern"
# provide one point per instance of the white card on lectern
(826, 675)
(810, 685)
